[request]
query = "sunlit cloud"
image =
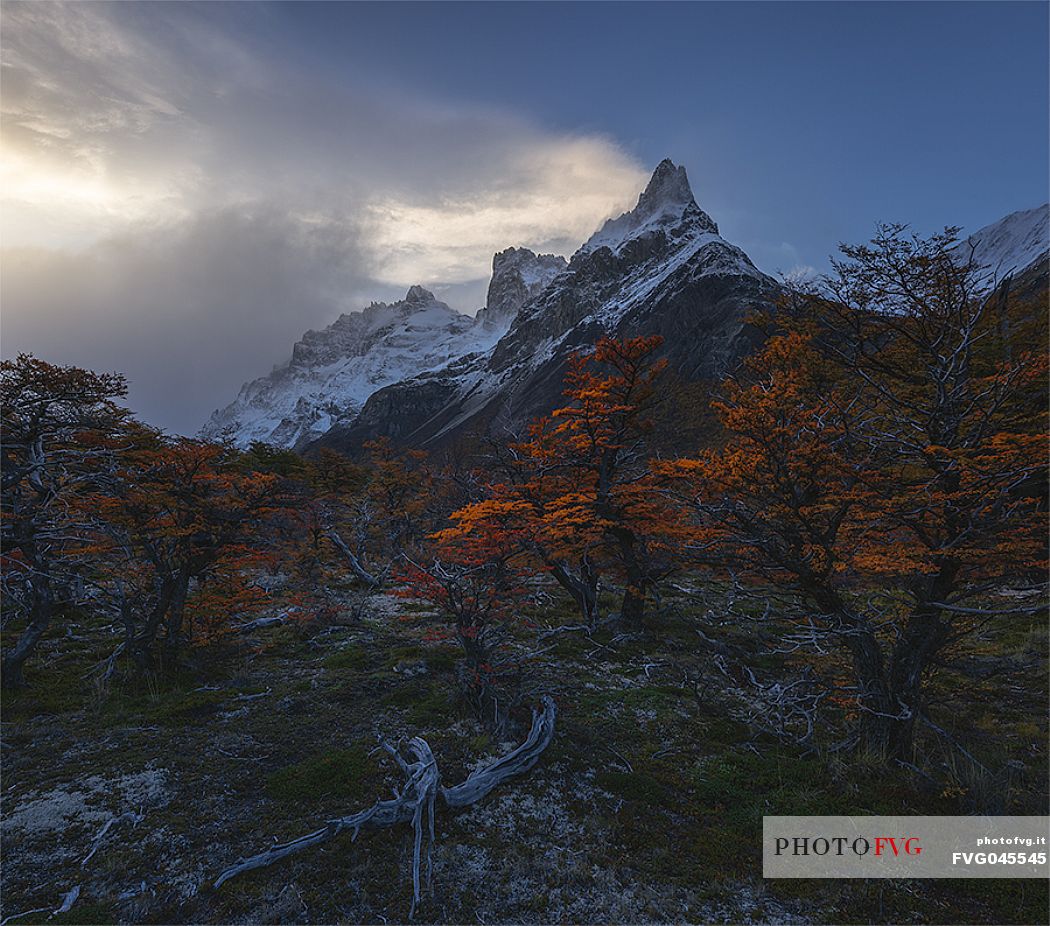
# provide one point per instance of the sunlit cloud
(161, 182)
(551, 198)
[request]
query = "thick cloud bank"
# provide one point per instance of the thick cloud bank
(181, 204)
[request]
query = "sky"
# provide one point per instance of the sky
(187, 188)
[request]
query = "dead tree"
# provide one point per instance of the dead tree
(353, 560)
(414, 803)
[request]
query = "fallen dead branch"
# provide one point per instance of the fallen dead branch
(414, 802)
(68, 899)
(136, 819)
(260, 622)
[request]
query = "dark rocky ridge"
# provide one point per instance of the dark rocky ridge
(518, 275)
(661, 268)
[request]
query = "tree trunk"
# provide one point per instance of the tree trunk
(355, 564)
(632, 608)
(891, 697)
(886, 726)
(173, 624)
(41, 607)
(923, 637)
(583, 586)
(477, 685)
(142, 644)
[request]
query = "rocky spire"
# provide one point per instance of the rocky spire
(668, 187)
(417, 294)
(518, 274)
(667, 201)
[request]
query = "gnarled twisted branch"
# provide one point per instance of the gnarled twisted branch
(415, 802)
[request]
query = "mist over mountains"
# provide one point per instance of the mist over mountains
(422, 373)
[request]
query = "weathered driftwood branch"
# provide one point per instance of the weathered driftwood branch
(482, 780)
(135, 818)
(415, 801)
(269, 621)
(355, 564)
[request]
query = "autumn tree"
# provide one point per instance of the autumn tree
(54, 422)
(180, 520)
(476, 588)
(376, 513)
(875, 477)
(579, 493)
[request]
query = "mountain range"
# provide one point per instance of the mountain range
(423, 374)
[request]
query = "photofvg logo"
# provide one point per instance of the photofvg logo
(905, 847)
(839, 845)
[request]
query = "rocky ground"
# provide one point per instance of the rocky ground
(646, 808)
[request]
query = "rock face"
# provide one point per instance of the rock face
(1011, 246)
(517, 276)
(424, 375)
(333, 372)
(661, 268)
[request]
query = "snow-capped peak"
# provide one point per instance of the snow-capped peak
(666, 204)
(1010, 245)
(668, 189)
(333, 371)
(518, 274)
(417, 295)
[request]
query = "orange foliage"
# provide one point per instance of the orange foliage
(581, 496)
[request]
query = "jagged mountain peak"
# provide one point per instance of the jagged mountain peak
(518, 274)
(668, 186)
(417, 367)
(333, 371)
(519, 256)
(1009, 245)
(666, 204)
(417, 295)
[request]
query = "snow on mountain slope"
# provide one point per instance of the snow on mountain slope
(667, 202)
(1012, 244)
(661, 268)
(629, 269)
(332, 372)
(421, 373)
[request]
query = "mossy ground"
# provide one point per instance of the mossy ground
(647, 807)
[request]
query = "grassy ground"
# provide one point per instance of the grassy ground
(647, 807)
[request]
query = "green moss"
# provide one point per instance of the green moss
(719, 852)
(51, 693)
(436, 658)
(632, 786)
(442, 658)
(351, 773)
(177, 709)
(745, 787)
(481, 743)
(350, 657)
(724, 730)
(424, 705)
(400, 654)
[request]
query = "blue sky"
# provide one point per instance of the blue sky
(189, 187)
(800, 121)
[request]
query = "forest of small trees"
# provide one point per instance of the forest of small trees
(878, 473)
(873, 480)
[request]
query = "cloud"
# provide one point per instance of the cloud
(550, 195)
(188, 311)
(180, 202)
